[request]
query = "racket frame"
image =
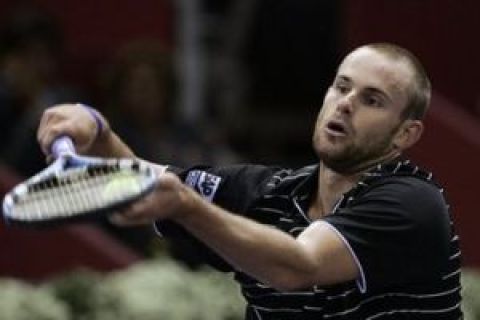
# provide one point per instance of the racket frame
(67, 160)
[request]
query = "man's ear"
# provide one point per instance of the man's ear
(408, 134)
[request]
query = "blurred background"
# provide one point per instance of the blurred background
(217, 82)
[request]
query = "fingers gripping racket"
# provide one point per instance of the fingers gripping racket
(76, 187)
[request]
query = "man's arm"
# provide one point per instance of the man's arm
(319, 256)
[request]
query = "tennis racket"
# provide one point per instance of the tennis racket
(76, 188)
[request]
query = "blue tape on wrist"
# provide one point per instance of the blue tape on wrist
(94, 113)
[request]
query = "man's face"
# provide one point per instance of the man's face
(361, 112)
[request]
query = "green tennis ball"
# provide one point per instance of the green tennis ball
(121, 185)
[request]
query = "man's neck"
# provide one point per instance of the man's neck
(331, 186)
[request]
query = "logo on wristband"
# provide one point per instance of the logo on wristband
(206, 184)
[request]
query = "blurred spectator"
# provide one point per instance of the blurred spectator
(140, 102)
(30, 54)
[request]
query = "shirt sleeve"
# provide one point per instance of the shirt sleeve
(232, 188)
(399, 230)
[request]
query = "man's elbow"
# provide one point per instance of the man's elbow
(291, 282)
(304, 274)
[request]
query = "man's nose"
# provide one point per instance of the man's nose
(346, 103)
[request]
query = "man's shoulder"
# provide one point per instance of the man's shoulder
(403, 173)
(402, 190)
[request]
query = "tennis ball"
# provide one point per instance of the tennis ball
(121, 185)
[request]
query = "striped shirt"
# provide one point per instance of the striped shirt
(394, 220)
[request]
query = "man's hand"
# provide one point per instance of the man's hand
(89, 130)
(73, 120)
(170, 199)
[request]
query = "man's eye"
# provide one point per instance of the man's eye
(372, 101)
(342, 88)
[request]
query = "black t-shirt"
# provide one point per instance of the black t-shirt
(395, 222)
(399, 229)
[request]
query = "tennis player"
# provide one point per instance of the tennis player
(362, 234)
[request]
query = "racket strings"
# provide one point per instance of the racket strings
(82, 191)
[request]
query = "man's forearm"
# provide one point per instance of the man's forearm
(268, 254)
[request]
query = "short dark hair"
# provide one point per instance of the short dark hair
(421, 88)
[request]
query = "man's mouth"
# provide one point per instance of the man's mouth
(336, 128)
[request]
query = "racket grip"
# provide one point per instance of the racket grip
(62, 145)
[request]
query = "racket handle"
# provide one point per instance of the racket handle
(62, 145)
